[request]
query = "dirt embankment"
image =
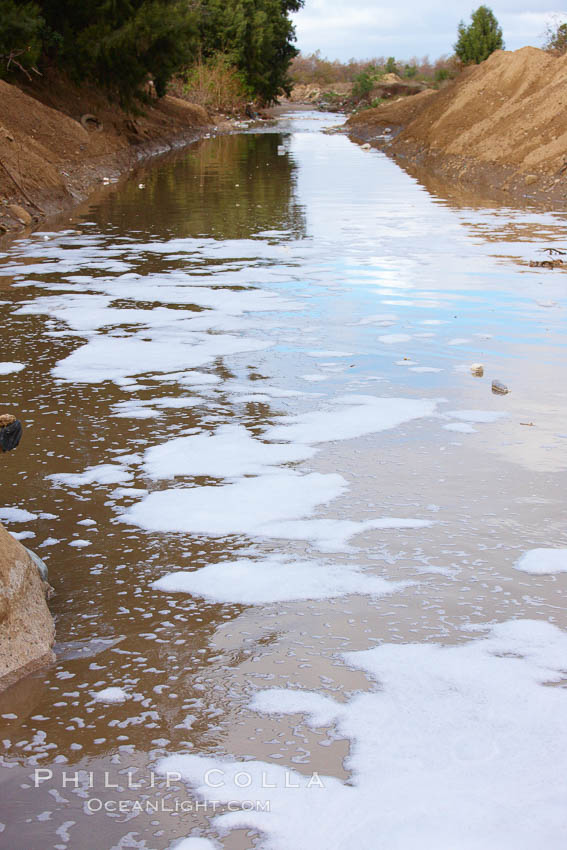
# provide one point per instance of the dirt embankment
(57, 142)
(501, 126)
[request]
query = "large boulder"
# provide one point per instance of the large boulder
(27, 630)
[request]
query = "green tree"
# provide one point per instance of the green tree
(119, 43)
(390, 67)
(480, 38)
(257, 36)
(556, 39)
(20, 36)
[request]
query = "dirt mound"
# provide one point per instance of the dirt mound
(314, 92)
(49, 160)
(506, 114)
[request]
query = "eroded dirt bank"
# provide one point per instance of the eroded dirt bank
(58, 144)
(501, 126)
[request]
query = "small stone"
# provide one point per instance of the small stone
(499, 388)
(530, 179)
(20, 214)
(477, 369)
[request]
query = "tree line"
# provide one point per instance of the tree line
(121, 44)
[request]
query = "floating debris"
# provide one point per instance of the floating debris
(551, 263)
(477, 369)
(546, 264)
(499, 388)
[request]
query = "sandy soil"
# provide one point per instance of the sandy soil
(49, 160)
(500, 125)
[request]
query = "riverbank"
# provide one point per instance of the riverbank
(498, 127)
(58, 142)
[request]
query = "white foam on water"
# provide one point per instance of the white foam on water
(111, 695)
(193, 843)
(228, 453)
(189, 378)
(318, 710)
(80, 544)
(256, 398)
(104, 473)
(145, 409)
(461, 747)
(250, 582)
(16, 515)
(266, 389)
(244, 507)
(424, 369)
(479, 416)
(543, 561)
(355, 416)
(332, 535)
(460, 427)
(7, 367)
(132, 410)
(109, 358)
(22, 535)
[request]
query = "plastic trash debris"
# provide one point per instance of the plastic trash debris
(477, 369)
(366, 147)
(499, 388)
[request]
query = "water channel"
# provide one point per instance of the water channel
(288, 530)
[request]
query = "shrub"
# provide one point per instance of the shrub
(216, 84)
(481, 38)
(363, 84)
(556, 38)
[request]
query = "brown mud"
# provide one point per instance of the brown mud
(58, 142)
(499, 126)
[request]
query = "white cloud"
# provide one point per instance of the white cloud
(363, 29)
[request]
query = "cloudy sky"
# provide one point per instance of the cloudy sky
(342, 29)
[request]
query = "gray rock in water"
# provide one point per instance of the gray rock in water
(499, 388)
(41, 565)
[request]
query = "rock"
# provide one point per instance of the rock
(530, 179)
(477, 369)
(27, 630)
(10, 432)
(499, 388)
(20, 214)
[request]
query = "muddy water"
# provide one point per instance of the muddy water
(248, 279)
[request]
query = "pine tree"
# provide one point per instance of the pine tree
(480, 38)
(119, 43)
(256, 36)
(20, 36)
